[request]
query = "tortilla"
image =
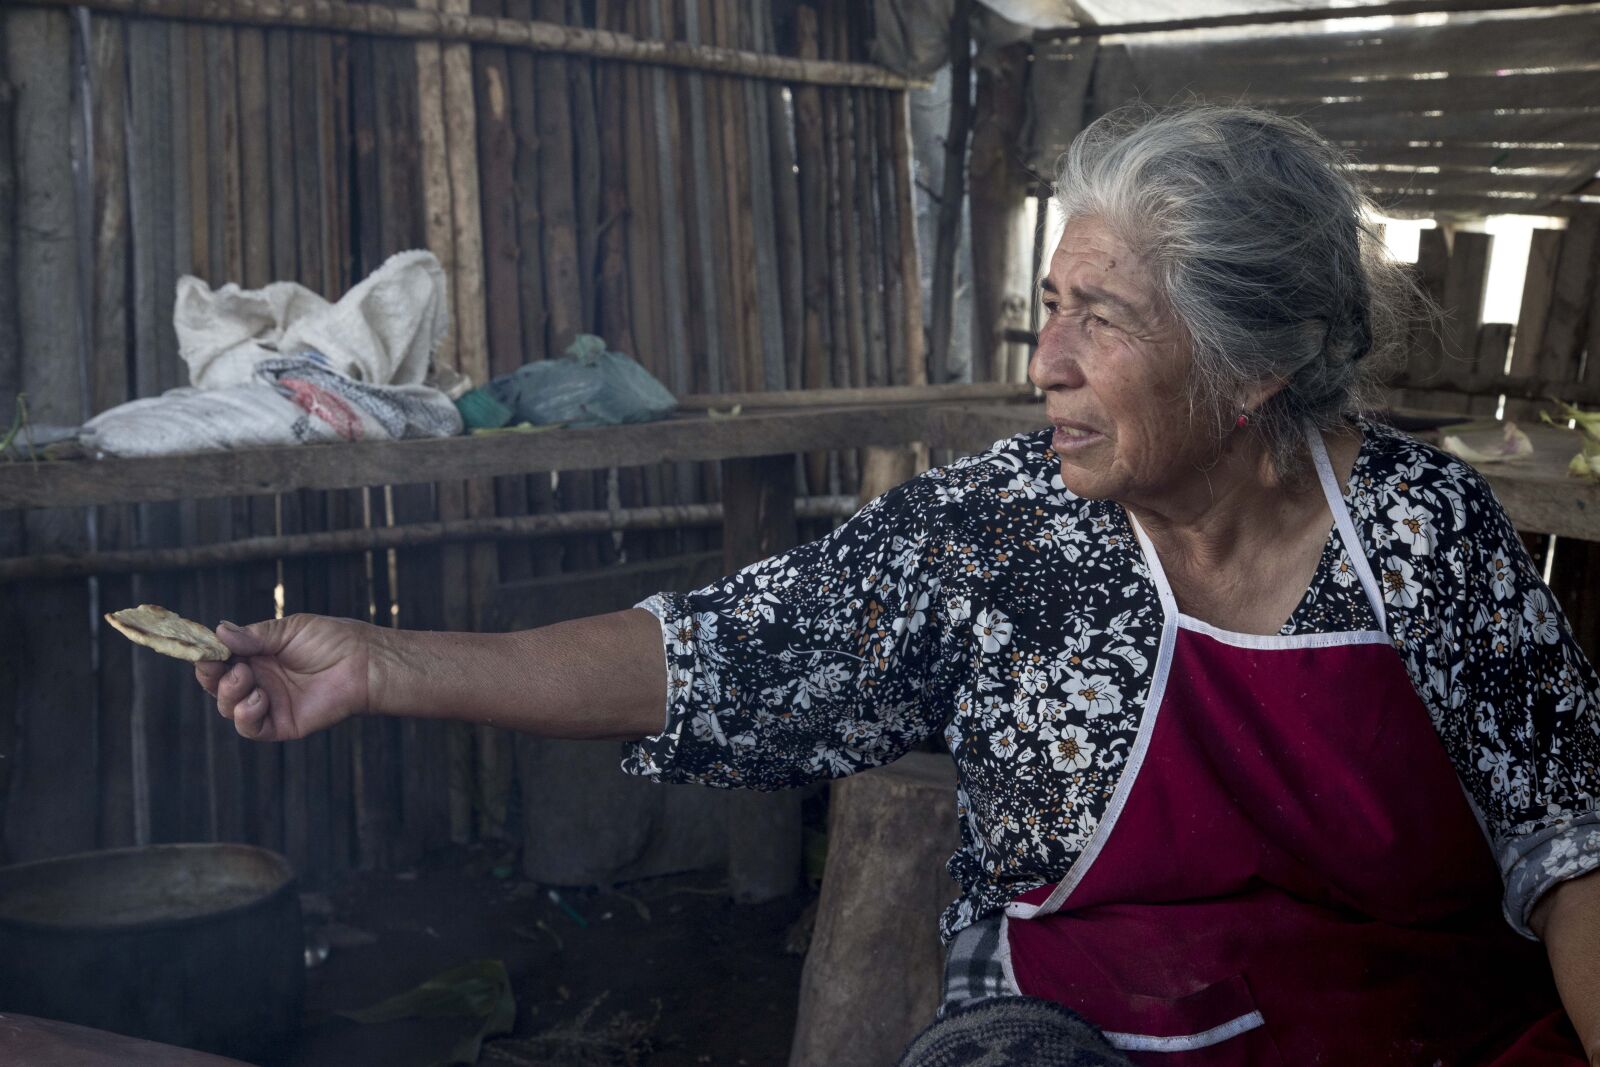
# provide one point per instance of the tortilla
(169, 634)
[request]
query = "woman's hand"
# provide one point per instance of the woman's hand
(291, 677)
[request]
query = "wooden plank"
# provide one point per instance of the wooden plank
(438, 233)
(110, 386)
(789, 247)
(427, 24)
(367, 203)
(614, 314)
(586, 172)
(999, 190)
(1536, 494)
(590, 488)
(952, 194)
(1566, 329)
(11, 525)
(1467, 44)
(1287, 89)
(380, 538)
(870, 224)
(1465, 282)
(1493, 344)
(910, 270)
(1538, 287)
(46, 813)
(354, 464)
(894, 279)
(254, 173)
(1539, 124)
(1470, 153)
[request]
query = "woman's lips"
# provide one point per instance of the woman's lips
(1072, 436)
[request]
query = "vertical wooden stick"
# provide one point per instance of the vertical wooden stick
(952, 193)
(910, 261)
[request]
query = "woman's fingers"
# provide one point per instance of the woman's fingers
(253, 714)
(208, 673)
(234, 685)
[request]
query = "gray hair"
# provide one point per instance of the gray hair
(1262, 250)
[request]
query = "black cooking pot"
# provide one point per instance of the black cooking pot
(193, 945)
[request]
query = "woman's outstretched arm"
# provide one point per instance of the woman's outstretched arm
(1567, 920)
(602, 677)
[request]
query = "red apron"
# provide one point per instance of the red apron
(1289, 871)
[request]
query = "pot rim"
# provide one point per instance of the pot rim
(288, 884)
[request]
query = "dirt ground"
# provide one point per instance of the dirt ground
(671, 972)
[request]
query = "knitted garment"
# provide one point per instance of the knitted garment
(1011, 1032)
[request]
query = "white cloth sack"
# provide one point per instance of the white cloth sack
(282, 366)
(290, 401)
(382, 332)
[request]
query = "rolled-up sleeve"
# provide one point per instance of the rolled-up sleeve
(811, 664)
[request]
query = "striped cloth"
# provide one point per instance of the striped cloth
(972, 967)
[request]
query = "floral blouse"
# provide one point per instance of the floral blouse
(985, 601)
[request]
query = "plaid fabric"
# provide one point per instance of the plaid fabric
(972, 969)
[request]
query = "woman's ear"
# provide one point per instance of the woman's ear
(1257, 395)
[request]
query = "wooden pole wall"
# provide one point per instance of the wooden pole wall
(723, 229)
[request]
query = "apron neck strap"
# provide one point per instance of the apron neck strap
(1345, 526)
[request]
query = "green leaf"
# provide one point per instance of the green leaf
(480, 990)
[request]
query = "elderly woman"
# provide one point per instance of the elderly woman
(1273, 747)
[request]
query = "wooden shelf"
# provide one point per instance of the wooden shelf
(1537, 493)
(84, 482)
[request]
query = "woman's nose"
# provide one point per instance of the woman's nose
(1054, 365)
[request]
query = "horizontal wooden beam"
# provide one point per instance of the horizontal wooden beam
(541, 601)
(380, 20)
(80, 482)
(1310, 14)
(1537, 493)
(381, 538)
(886, 394)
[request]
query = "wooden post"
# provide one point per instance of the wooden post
(894, 826)
(11, 534)
(816, 369)
(109, 386)
(910, 261)
(998, 190)
(50, 809)
(952, 193)
(763, 828)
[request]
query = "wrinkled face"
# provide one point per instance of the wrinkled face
(1114, 367)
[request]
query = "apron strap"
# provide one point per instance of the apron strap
(1347, 529)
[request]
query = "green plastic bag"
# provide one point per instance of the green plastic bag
(589, 386)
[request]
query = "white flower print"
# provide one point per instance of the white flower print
(1497, 762)
(1094, 694)
(680, 638)
(1003, 743)
(992, 629)
(917, 614)
(707, 726)
(1344, 572)
(1034, 680)
(1412, 525)
(829, 760)
(1540, 615)
(1071, 749)
(959, 608)
(1400, 588)
(1501, 580)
